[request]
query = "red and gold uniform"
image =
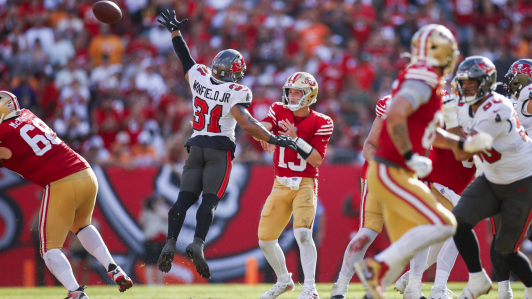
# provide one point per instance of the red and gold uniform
(69, 184)
(407, 202)
(287, 195)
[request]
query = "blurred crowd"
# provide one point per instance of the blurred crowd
(116, 93)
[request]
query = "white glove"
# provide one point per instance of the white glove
(450, 111)
(478, 142)
(478, 166)
(421, 165)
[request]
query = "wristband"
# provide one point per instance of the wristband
(461, 145)
(303, 148)
(408, 155)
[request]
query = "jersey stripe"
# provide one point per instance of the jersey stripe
(323, 133)
(422, 78)
(44, 214)
(325, 130)
(271, 115)
(422, 72)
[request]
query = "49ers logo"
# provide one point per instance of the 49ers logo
(522, 68)
(310, 81)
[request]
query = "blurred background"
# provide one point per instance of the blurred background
(117, 95)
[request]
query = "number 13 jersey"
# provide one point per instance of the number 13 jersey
(37, 154)
(316, 129)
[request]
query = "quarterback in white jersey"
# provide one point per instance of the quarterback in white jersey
(504, 188)
(219, 102)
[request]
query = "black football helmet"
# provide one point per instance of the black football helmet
(229, 66)
(518, 76)
(478, 68)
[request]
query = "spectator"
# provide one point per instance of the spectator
(75, 99)
(72, 72)
(106, 44)
(70, 26)
(121, 151)
(149, 80)
(94, 152)
(104, 71)
(39, 32)
(60, 50)
(143, 153)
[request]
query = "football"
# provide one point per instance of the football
(107, 12)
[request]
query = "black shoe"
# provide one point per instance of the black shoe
(167, 256)
(195, 253)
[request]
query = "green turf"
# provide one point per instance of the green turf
(235, 291)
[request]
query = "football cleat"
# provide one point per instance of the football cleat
(413, 293)
(78, 294)
(402, 283)
(279, 288)
(195, 253)
(505, 292)
(309, 292)
(167, 256)
(119, 277)
(475, 288)
(369, 271)
(339, 291)
(441, 293)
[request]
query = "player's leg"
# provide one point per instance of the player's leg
(274, 217)
(191, 186)
(86, 188)
(304, 209)
(56, 217)
(414, 220)
(516, 214)
(501, 272)
(371, 222)
(477, 203)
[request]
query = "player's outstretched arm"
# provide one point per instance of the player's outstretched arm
(254, 128)
(180, 46)
(463, 149)
(370, 145)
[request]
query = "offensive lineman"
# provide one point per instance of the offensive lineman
(504, 188)
(414, 218)
(295, 188)
(31, 149)
(219, 103)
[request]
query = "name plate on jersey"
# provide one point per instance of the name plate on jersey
(208, 94)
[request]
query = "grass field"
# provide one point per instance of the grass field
(211, 291)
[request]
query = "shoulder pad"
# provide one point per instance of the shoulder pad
(498, 108)
(422, 73)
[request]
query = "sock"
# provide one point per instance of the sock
(446, 259)
(178, 212)
(354, 253)
(467, 244)
(519, 264)
(501, 272)
(58, 264)
(205, 215)
(401, 251)
(434, 251)
(528, 292)
(504, 285)
(308, 253)
(417, 267)
(275, 257)
(92, 241)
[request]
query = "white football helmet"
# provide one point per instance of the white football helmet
(304, 82)
(9, 106)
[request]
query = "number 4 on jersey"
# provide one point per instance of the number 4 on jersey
(201, 110)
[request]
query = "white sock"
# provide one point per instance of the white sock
(504, 285)
(92, 241)
(308, 253)
(417, 267)
(432, 257)
(275, 257)
(446, 259)
(355, 252)
(528, 292)
(58, 264)
(397, 255)
(149, 275)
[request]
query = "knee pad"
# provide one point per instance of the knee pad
(267, 244)
(55, 261)
(303, 235)
(184, 201)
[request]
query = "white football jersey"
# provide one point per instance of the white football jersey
(510, 159)
(212, 103)
(525, 118)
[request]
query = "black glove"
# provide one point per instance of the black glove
(171, 23)
(283, 141)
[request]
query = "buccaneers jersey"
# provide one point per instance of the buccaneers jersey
(422, 124)
(212, 103)
(38, 154)
(380, 110)
(316, 129)
(521, 109)
(509, 159)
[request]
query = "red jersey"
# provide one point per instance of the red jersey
(38, 154)
(316, 129)
(422, 123)
(380, 110)
(455, 175)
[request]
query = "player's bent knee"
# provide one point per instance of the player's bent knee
(267, 244)
(504, 247)
(303, 235)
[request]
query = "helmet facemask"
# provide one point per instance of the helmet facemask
(302, 102)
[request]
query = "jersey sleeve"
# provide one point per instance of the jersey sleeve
(524, 94)
(495, 129)
(242, 95)
(322, 136)
(197, 71)
(272, 115)
(380, 108)
(422, 74)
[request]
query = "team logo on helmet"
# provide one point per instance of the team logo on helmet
(522, 69)
(486, 68)
(238, 65)
(310, 81)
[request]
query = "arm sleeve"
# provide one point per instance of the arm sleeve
(495, 129)
(182, 51)
(321, 138)
(416, 92)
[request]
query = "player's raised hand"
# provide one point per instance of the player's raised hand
(290, 129)
(283, 141)
(170, 21)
